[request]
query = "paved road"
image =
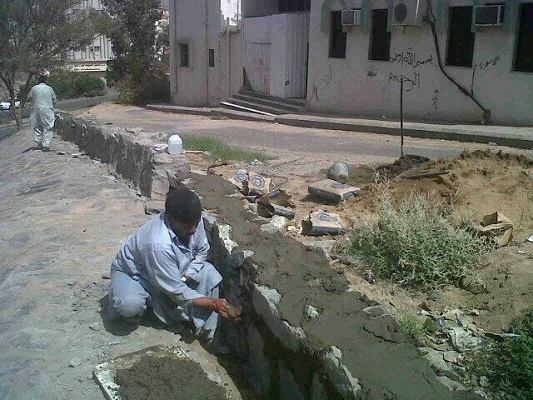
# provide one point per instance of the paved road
(282, 140)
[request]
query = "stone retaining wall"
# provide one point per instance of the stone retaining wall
(277, 361)
(128, 152)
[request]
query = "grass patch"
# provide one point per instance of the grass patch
(415, 245)
(508, 365)
(413, 327)
(216, 149)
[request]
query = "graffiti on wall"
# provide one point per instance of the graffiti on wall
(372, 72)
(320, 82)
(409, 82)
(493, 61)
(482, 65)
(410, 58)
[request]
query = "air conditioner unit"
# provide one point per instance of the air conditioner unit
(489, 15)
(351, 17)
(408, 12)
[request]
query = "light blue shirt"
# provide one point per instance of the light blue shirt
(155, 254)
(42, 96)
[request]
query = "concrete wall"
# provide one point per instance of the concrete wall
(200, 25)
(359, 87)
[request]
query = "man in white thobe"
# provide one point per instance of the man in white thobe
(42, 117)
(163, 266)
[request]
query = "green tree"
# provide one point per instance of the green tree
(37, 35)
(133, 37)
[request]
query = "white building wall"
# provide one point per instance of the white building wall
(200, 24)
(358, 87)
(92, 58)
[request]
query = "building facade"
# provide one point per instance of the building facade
(91, 60)
(456, 60)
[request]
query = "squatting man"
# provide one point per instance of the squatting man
(163, 267)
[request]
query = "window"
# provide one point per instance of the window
(460, 37)
(337, 38)
(294, 5)
(184, 55)
(211, 58)
(379, 37)
(523, 59)
(97, 49)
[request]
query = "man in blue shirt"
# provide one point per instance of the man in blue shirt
(164, 266)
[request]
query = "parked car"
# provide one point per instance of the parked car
(6, 105)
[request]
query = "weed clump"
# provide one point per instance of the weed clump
(415, 245)
(508, 365)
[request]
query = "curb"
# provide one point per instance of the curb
(520, 137)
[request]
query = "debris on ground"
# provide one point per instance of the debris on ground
(339, 172)
(332, 190)
(323, 223)
(498, 227)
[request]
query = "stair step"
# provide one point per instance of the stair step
(272, 102)
(242, 108)
(260, 107)
(291, 101)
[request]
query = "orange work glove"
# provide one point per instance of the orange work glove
(220, 306)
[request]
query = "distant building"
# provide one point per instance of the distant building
(350, 56)
(92, 59)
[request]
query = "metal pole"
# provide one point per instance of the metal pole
(401, 115)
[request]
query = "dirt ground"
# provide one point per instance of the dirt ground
(478, 183)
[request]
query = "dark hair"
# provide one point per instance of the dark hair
(183, 205)
(42, 78)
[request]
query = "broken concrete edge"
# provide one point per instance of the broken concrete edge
(129, 156)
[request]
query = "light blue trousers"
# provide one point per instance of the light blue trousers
(129, 296)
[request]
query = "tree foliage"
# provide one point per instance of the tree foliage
(133, 37)
(37, 35)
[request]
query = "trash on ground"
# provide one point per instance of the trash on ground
(332, 190)
(276, 202)
(257, 184)
(497, 226)
(251, 183)
(530, 239)
(339, 172)
(323, 223)
(370, 277)
(241, 176)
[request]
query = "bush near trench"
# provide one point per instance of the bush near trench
(415, 245)
(508, 365)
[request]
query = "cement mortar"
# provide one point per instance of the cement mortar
(155, 377)
(375, 350)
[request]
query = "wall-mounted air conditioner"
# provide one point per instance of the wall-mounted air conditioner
(489, 15)
(351, 17)
(409, 12)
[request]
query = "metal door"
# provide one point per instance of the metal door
(257, 65)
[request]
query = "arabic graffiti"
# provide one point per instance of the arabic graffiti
(372, 72)
(485, 64)
(409, 83)
(320, 82)
(409, 58)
